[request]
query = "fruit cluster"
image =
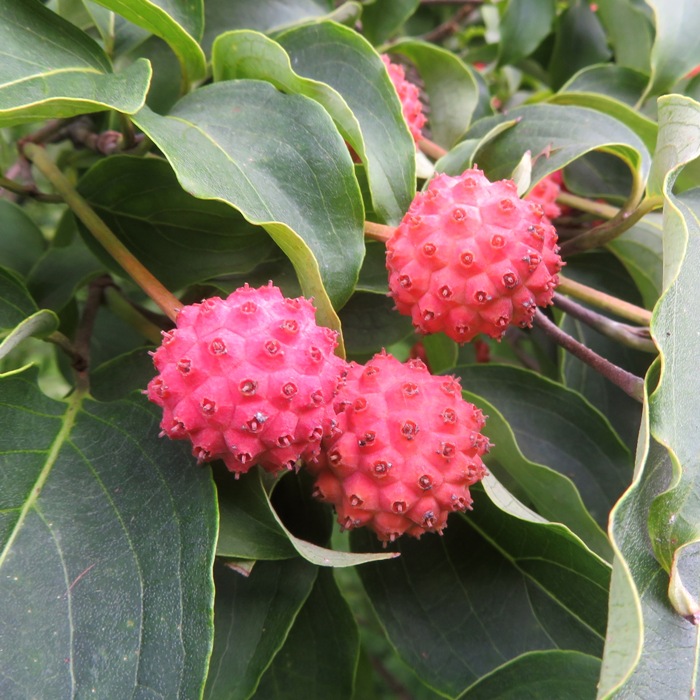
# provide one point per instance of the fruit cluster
(252, 379)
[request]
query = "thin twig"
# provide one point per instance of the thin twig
(452, 26)
(431, 149)
(28, 191)
(83, 335)
(169, 304)
(378, 232)
(600, 235)
(605, 211)
(631, 384)
(632, 336)
(620, 308)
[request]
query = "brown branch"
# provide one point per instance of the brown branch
(629, 383)
(452, 25)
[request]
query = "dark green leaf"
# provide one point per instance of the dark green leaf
(179, 22)
(451, 605)
(320, 654)
(61, 75)
(579, 42)
(547, 129)
(539, 412)
(449, 85)
(16, 304)
(596, 175)
(117, 378)
(564, 675)
(630, 31)
(107, 544)
(181, 239)
(359, 97)
(625, 85)
(524, 25)
(370, 323)
(22, 240)
(381, 19)
(279, 160)
(248, 529)
(252, 619)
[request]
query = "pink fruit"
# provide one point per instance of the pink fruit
(545, 193)
(248, 380)
(471, 257)
(409, 97)
(406, 449)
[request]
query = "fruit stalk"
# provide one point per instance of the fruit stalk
(629, 383)
(167, 302)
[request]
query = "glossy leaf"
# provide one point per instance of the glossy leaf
(524, 25)
(181, 239)
(538, 412)
(178, 22)
(630, 31)
(486, 567)
(450, 88)
(299, 184)
(320, 654)
(579, 42)
(565, 675)
(552, 494)
(361, 106)
(80, 477)
(252, 619)
(547, 129)
(16, 303)
(383, 18)
(625, 85)
(120, 376)
(61, 75)
(676, 48)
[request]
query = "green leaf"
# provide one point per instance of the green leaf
(640, 250)
(676, 47)
(625, 85)
(364, 107)
(279, 160)
(180, 23)
(674, 519)
(248, 529)
(678, 144)
(449, 86)
(564, 675)
(630, 32)
(547, 129)
(22, 240)
(252, 618)
(52, 70)
(582, 91)
(117, 378)
(179, 238)
(539, 412)
(224, 15)
(370, 323)
(553, 495)
(450, 605)
(92, 503)
(38, 325)
(579, 42)
(381, 19)
(524, 25)
(320, 654)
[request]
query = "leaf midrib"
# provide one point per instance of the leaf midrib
(61, 437)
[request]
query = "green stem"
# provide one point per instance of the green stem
(604, 301)
(28, 191)
(629, 383)
(604, 211)
(167, 302)
(631, 336)
(603, 234)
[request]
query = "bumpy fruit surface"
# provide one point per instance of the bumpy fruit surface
(471, 257)
(248, 379)
(545, 193)
(409, 96)
(406, 449)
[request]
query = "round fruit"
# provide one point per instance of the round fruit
(248, 379)
(405, 450)
(409, 96)
(471, 257)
